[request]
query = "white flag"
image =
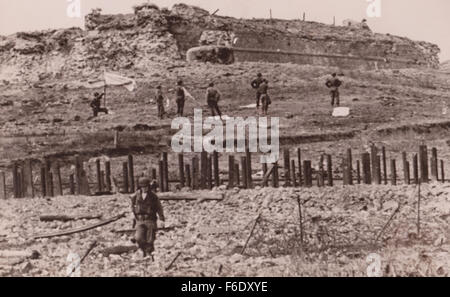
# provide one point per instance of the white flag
(112, 79)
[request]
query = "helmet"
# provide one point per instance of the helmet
(143, 182)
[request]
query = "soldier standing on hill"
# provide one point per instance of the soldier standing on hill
(181, 98)
(333, 83)
(160, 102)
(96, 104)
(146, 208)
(255, 85)
(265, 99)
(212, 98)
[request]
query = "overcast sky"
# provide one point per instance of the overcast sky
(417, 19)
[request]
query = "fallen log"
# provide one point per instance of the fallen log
(20, 254)
(118, 250)
(81, 229)
(200, 196)
(63, 218)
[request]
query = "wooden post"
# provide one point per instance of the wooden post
(99, 176)
(50, 177)
(188, 176)
(181, 169)
(358, 171)
(376, 170)
(416, 169)
(373, 162)
(2, 186)
(307, 173)
(16, 185)
(350, 166)
(404, 161)
(108, 176)
(125, 177)
(210, 174)
(408, 175)
(244, 172)
(367, 178)
(161, 175)
(78, 175)
(423, 161)
(287, 169)
(265, 182)
(102, 180)
(384, 166)
(203, 169)
(442, 171)
(393, 173)
(230, 172)
(49, 185)
(28, 179)
(345, 172)
(236, 171)
(72, 184)
(330, 171)
(275, 178)
(166, 171)
(216, 169)
(434, 164)
(132, 187)
(59, 185)
(195, 173)
(43, 182)
(293, 173)
(248, 157)
(299, 160)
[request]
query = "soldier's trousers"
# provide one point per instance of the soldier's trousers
(335, 98)
(100, 109)
(145, 235)
(265, 100)
(214, 107)
(258, 99)
(161, 111)
(180, 107)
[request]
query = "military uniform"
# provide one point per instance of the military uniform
(146, 207)
(212, 99)
(96, 105)
(333, 84)
(160, 103)
(255, 85)
(265, 99)
(181, 98)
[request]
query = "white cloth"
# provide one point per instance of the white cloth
(112, 79)
(341, 112)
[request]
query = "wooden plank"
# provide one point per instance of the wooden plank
(434, 165)
(209, 176)
(236, 172)
(125, 177)
(358, 172)
(393, 173)
(275, 177)
(72, 184)
(367, 177)
(248, 157)
(376, 170)
(423, 162)
(195, 173)
(383, 156)
(307, 173)
(78, 170)
(99, 177)
(15, 175)
(299, 160)
(188, 175)
(230, 172)
(132, 187)
(108, 176)
(287, 168)
(2, 186)
(161, 176)
(216, 169)
(203, 169)
(293, 173)
(416, 169)
(350, 166)
(43, 182)
(442, 171)
(330, 170)
(181, 170)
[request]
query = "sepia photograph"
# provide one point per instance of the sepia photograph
(206, 141)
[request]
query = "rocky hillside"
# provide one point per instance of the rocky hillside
(135, 42)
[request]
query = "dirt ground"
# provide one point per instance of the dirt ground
(341, 227)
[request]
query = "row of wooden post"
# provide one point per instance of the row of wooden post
(204, 173)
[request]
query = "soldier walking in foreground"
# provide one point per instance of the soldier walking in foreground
(160, 102)
(181, 98)
(265, 99)
(333, 83)
(212, 98)
(255, 85)
(146, 206)
(96, 104)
